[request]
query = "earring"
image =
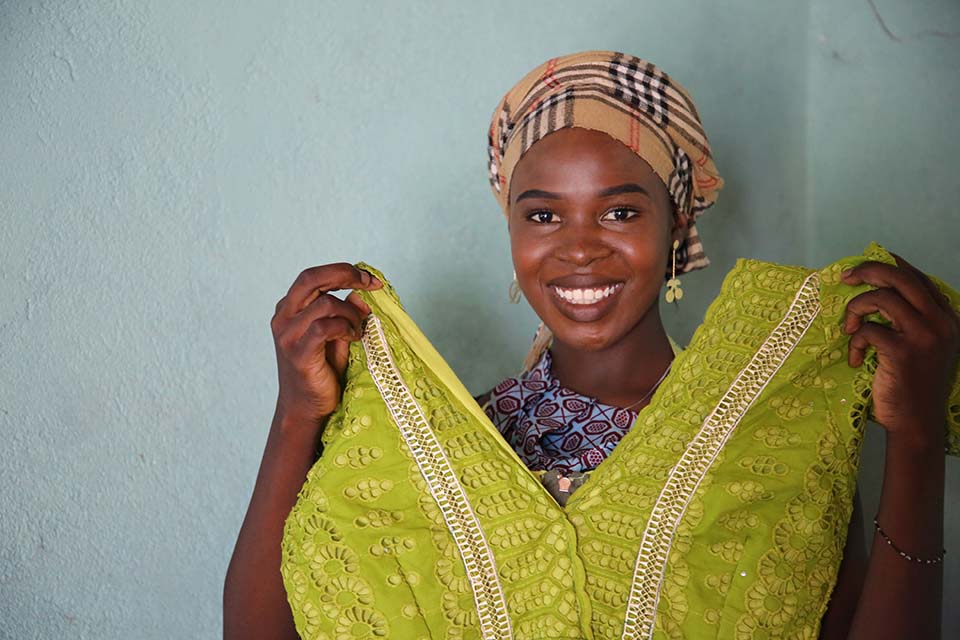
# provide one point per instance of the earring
(514, 292)
(674, 292)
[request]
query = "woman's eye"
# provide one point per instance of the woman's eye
(542, 217)
(619, 215)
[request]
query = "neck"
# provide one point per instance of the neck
(622, 373)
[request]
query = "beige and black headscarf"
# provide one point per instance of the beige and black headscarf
(627, 98)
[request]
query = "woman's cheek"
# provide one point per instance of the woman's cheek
(528, 256)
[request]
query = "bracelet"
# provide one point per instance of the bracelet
(903, 554)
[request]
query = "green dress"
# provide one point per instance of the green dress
(722, 513)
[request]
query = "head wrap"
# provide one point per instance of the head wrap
(627, 98)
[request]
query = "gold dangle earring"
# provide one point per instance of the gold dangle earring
(674, 292)
(514, 290)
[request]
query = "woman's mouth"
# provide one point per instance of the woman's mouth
(586, 303)
(587, 295)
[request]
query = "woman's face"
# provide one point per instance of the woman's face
(591, 233)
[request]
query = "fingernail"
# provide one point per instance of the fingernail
(375, 281)
(846, 273)
(365, 277)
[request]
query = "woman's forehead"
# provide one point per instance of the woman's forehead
(574, 158)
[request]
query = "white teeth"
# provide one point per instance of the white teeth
(585, 296)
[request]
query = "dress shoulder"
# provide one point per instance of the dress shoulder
(834, 296)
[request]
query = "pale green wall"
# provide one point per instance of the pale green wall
(168, 167)
(882, 141)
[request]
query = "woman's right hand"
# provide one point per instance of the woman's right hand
(312, 332)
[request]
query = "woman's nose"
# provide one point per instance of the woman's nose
(580, 245)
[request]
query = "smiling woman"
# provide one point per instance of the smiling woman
(619, 487)
(591, 215)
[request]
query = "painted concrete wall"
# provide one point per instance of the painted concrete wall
(882, 137)
(167, 168)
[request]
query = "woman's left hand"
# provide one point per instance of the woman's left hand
(916, 354)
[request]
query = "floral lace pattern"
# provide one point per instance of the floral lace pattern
(368, 551)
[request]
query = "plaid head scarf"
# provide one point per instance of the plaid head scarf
(627, 98)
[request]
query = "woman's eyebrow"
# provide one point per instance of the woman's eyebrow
(629, 187)
(538, 193)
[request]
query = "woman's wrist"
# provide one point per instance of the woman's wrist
(911, 502)
(926, 438)
(914, 463)
(297, 426)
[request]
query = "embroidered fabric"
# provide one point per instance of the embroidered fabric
(731, 493)
(443, 483)
(552, 427)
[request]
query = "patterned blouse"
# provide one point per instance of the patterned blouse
(554, 428)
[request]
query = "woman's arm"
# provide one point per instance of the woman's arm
(885, 595)
(903, 598)
(254, 599)
(843, 602)
(916, 355)
(312, 332)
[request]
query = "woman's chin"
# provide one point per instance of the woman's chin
(590, 327)
(582, 338)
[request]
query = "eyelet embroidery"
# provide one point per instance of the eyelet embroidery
(321, 550)
(491, 606)
(685, 477)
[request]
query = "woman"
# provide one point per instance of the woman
(420, 519)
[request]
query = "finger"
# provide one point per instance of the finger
(358, 302)
(887, 302)
(326, 306)
(904, 281)
(316, 281)
(882, 338)
(338, 354)
(938, 296)
(321, 332)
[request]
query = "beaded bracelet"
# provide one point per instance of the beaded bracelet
(887, 539)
